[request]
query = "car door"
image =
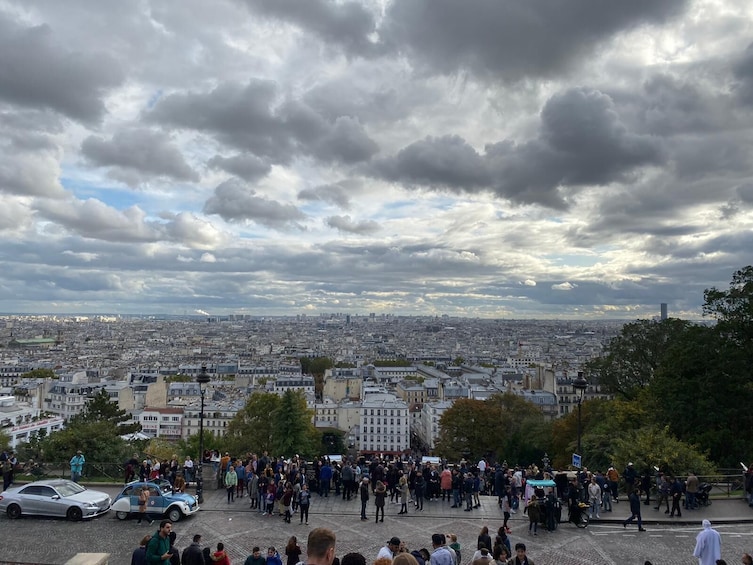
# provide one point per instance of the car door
(29, 498)
(156, 501)
(49, 502)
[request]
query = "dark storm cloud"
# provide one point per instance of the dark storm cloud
(347, 24)
(347, 225)
(582, 141)
(743, 71)
(511, 40)
(248, 167)
(234, 202)
(247, 117)
(141, 152)
(337, 193)
(38, 70)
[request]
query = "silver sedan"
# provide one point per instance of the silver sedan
(55, 497)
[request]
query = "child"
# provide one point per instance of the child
(270, 499)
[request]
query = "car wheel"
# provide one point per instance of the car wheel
(13, 511)
(174, 514)
(74, 514)
(121, 515)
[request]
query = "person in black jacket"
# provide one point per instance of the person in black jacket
(192, 554)
(635, 509)
(675, 492)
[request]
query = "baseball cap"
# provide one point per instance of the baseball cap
(394, 541)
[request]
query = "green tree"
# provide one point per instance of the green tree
(467, 425)
(633, 357)
(178, 379)
(733, 308)
(101, 408)
(503, 426)
(703, 394)
(292, 422)
(254, 425)
(39, 374)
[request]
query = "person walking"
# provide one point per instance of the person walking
(708, 545)
(144, 505)
(380, 493)
(364, 492)
(635, 509)
(675, 492)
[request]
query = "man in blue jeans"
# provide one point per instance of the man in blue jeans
(635, 509)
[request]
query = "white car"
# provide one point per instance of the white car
(54, 497)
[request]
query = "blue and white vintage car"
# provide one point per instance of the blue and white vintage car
(162, 501)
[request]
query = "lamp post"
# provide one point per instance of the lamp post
(579, 387)
(202, 379)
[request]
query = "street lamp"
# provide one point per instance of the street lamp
(202, 379)
(579, 387)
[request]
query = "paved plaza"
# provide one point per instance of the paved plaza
(604, 542)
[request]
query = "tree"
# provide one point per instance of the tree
(292, 422)
(96, 431)
(633, 357)
(39, 374)
(316, 367)
(733, 308)
(254, 425)
(703, 394)
(503, 426)
(468, 425)
(179, 379)
(100, 408)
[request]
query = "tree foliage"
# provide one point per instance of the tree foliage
(293, 425)
(96, 431)
(504, 426)
(633, 357)
(254, 425)
(39, 374)
(733, 308)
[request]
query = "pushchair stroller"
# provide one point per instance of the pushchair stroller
(702, 496)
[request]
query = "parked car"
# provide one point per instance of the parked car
(162, 500)
(54, 497)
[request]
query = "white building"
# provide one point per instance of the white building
(384, 425)
(427, 427)
(162, 422)
(20, 420)
(217, 416)
(293, 382)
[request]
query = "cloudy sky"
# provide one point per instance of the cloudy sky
(491, 158)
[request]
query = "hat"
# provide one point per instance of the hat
(394, 541)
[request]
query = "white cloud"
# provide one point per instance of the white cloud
(469, 159)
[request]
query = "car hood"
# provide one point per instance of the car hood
(93, 496)
(183, 497)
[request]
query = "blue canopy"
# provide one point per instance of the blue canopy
(541, 483)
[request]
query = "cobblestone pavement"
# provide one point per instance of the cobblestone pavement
(606, 542)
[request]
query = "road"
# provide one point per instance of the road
(33, 540)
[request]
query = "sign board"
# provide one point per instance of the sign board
(576, 461)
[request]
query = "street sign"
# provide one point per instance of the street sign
(576, 461)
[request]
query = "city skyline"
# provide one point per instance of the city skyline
(407, 157)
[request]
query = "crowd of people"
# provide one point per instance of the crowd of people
(160, 549)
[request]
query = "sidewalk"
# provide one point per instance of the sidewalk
(730, 511)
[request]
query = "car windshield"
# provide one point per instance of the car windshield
(68, 489)
(166, 488)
